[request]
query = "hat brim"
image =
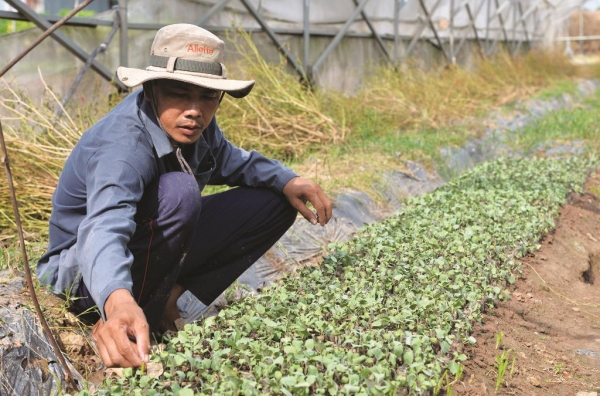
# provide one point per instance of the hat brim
(133, 77)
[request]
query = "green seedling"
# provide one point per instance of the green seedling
(502, 362)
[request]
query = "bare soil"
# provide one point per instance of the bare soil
(550, 326)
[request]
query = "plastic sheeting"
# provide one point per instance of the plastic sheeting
(538, 16)
(28, 364)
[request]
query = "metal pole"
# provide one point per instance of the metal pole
(43, 36)
(472, 19)
(306, 40)
(396, 29)
(215, 9)
(581, 29)
(101, 48)
(452, 54)
(487, 26)
(525, 32)
(433, 29)
(338, 37)
(419, 32)
(265, 26)
(123, 34)
(514, 29)
(375, 34)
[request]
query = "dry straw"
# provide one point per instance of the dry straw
(281, 118)
(414, 98)
(38, 145)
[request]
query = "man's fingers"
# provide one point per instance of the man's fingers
(304, 211)
(323, 207)
(299, 191)
(116, 349)
(103, 353)
(142, 336)
(327, 207)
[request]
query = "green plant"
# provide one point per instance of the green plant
(502, 362)
(10, 26)
(558, 368)
(499, 337)
(383, 311)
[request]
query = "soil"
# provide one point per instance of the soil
(550, 325)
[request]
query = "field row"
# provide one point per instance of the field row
(388, 311)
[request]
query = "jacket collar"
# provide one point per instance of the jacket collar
(160, 139)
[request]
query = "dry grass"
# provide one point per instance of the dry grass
(283, 119)
(413, 98)
(38, 144)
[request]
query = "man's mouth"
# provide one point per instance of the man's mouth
(192, 128)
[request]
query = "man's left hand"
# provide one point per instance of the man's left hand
(299, 191)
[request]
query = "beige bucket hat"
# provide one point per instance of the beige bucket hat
(187, 53)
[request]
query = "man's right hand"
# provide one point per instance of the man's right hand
(125, 321)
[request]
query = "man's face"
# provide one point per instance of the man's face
(184, 110)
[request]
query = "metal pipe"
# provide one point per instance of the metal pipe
(452, 54)
(101, 48)
(487, 26)
(419, 31)
(123, 34)
(472, 25)
(338, 37)
(273, 37)
(520, 7)
(499, 11)
(214, 10)
(577, 38)
(472, 19)
(375, 34)
(396, 29)
(435, 33)
(306, 39)
(581, 29)
(60, 38)
(41, 38)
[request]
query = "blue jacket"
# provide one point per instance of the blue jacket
(105, 177)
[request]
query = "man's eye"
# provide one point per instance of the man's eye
(177, 93)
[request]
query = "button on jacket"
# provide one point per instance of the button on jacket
(105, 177)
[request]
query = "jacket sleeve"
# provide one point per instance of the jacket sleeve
(235, 166)
(114, 189)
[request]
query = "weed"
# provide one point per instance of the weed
(502, 362)
(499, 337)
(595, 190)
(558, 368)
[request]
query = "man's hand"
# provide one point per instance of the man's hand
(299, 191)
(125, 321)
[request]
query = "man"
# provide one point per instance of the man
(130, 231)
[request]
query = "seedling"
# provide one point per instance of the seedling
(502, 362)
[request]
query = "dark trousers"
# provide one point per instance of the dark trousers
(202, 243)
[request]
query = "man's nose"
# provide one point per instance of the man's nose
(193, 109)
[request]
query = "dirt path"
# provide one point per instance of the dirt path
(551, 324)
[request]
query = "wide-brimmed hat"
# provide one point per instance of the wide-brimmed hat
(190, 54)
